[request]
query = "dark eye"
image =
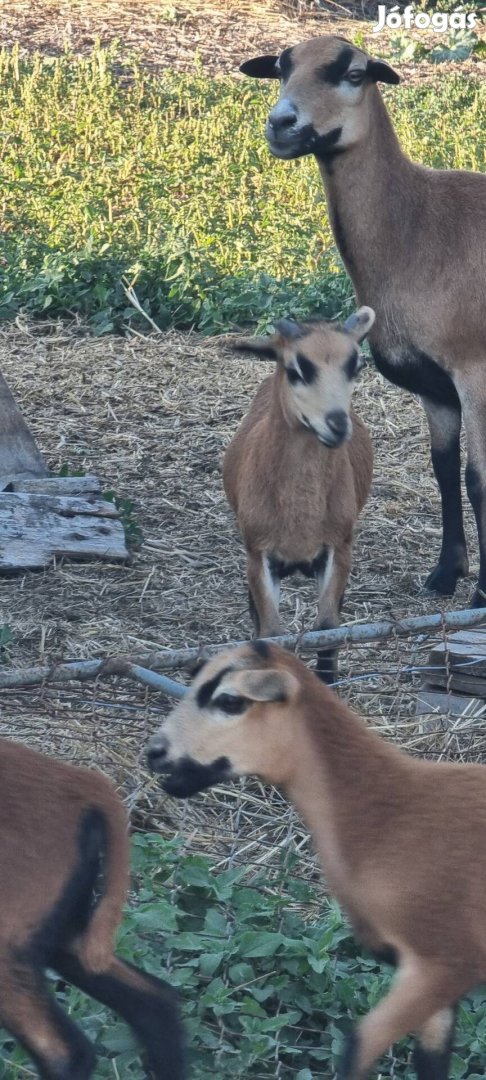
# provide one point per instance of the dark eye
(353, 364)
(231, 704)
(355, 77)
(293, 375)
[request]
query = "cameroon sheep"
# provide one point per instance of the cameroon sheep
(64, 855)
(413, 241)
(298, 471)
(402, 840)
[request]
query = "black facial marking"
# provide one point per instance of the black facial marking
(351, 365)
(197, 666)
(188, 776)
(293, 376)
(206, 691)
(324, 147)
(261, 648)
(285, 63)
(308, 369)
(333, 73)
(419, 374)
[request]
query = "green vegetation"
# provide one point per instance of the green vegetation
(111, 173)
(259, 982)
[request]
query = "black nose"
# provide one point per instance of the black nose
(337, 421)
(157, 754)
(280, 119)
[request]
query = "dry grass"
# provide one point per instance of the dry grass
(151, 417)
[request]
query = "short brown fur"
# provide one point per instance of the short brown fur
(413, 240)
(402, 841)
(63, 827)
(293, 496)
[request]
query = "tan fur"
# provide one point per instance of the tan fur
(292, 495)
(413, 240)
(47, 917)
(402, 841)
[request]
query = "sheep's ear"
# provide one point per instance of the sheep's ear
(289, 329)
(265, 348)
(378, 71)
(359, 324)
(261, 67)
(271, 684)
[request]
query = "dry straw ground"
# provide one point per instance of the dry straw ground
(151, 417)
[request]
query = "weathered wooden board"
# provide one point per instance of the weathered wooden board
(51, 485)
(437, 704)
(35, 528)
(455, 677)
(18, 451)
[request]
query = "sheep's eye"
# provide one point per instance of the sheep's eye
(355, 77)
(231, 704)
(294, 376)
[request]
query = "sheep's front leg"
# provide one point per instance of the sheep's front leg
(264, 596)
(433, 1049)
(331, 583)
(445, 427)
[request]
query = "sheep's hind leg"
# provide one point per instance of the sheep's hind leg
(57, 1046)
(445, 427)
(332, 577)
(433, 1048)
(147, 1004)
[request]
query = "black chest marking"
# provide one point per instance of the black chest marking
(280, 569)
(419, 374)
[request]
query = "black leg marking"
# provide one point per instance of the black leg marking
(453, 557)
(147, 1004)
(433, 1064)
(56, 1045)
(347, 1067)
(476, 490)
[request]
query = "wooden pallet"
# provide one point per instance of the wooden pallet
(42, 517)
(455, 678)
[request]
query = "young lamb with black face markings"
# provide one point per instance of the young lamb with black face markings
(414, 244)
(298, 471)
(402, 841)
(64, 857)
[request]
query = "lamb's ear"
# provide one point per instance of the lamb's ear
(266, 348)
(378, 71)
(359, 324)
(270, 684)
(261, 67)
(289, 329)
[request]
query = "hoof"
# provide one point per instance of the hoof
(478, 600)
(443, 581)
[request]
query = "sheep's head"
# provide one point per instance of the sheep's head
(236, 720)
(318, 363)
(324, 95)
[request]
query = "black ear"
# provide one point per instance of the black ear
(261, 67)
(262, 347)
(381, 72)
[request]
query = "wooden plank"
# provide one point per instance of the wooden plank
(52, 485)
(437, 703)
(18, 450)
(35, 528)
(467, 684)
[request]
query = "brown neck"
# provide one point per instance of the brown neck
(346, 782)
(369, 190)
